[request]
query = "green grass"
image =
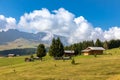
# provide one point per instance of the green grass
(103, 67)
(115, 51)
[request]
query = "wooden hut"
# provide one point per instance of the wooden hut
(93, 51)
(69, 53)
(11, 55)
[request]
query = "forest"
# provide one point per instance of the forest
(24, 51)
(77, 47)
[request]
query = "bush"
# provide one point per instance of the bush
(32, 56)
(41, 51)
(73, 61)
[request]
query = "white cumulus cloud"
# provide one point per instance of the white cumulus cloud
(59, 22)
(112, 33)
(62, 22)
(85, 31)
(7, 23)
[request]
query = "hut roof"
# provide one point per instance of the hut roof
(86, 50)
(69, 51)
(92, 48)
(11, 54)
(96, 48)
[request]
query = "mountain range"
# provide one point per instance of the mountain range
(17, 39)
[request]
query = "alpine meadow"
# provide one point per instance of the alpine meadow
(104, 67)
(59, 39)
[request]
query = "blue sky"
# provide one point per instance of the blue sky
(102, 13)
(77, 19)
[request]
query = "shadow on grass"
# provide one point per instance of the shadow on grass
(54, 79)
(76, 63)
(49, 79)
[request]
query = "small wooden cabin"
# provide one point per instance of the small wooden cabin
(11, 55)
(93, 50)
(69, 53)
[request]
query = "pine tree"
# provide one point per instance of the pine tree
(92, 43)
(60, 47)
(56, 48)
(105, 45)
(114, 44)
(41, 51)
(75, 48)
(98, 43)
(52, 50)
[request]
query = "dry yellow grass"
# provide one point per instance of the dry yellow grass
(104, 67)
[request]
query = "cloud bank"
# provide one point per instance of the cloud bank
(59, 22)
(7, 23)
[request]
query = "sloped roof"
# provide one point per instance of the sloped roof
(85, 50)
(69, 51)
(92, 48)
(96, 48)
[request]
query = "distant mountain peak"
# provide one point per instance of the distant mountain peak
(41, 37)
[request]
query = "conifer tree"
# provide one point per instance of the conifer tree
(98, 43)
(41, 51)
(105, 45)
(52, 50)
(56, 48)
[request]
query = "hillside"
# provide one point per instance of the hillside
(14, 39)
(114, 51)
(20, 43)
(104, 67)
(42, 37)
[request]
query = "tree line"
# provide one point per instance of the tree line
(24, 51)
(57, 48)
(98, 43)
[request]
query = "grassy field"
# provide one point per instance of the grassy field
(102, 67)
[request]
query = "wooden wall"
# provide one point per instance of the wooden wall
(98, 52)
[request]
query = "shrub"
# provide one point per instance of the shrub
(73, 61)
(32, 56)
